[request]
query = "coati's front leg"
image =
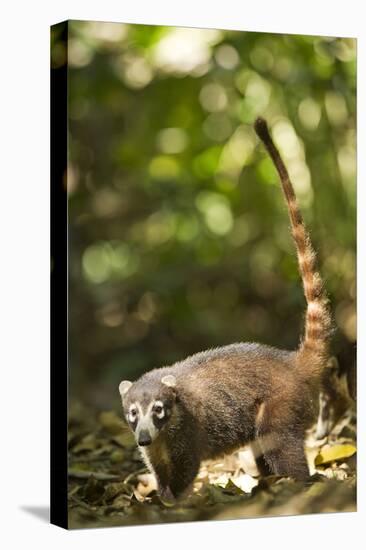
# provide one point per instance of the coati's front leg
(175, 478)
(163, 479)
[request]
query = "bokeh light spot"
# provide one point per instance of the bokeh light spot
(213, 97)
(79, 53)
(172, 140)
(227, 56)
(96, 264)
(309, 113)
(164, 168)
(336, 108)
(216, 211)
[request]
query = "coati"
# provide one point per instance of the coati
(218, 400)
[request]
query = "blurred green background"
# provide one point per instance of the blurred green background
(179, 236)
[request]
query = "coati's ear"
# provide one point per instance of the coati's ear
(124, 387)
(169, 380)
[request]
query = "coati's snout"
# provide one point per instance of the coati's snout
(144, 438)
(148, 406)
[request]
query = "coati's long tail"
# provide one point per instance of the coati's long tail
(318, 325)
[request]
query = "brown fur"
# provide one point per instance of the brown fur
(221, 399)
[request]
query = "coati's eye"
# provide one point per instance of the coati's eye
(132, 414)
(158, 409)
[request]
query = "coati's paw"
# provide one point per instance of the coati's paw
(187, 492)
(166, 496)
(146, 484)
(315, 478)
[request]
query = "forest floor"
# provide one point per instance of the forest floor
(109, 484)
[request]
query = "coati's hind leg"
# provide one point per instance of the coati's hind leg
(286, 456)
(282, 446)
(257, 453)
(334, 399)
(263, 467)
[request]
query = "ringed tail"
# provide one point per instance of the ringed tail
(318, 324)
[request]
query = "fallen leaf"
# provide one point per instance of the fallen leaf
(121, 501)
(86, 474)
(117, 456)
(111, 422)
(247, 462)
(87, 443)
(112, 490)
(125, 439)
(334, 453)
(222, 481)
(245, 482)
(221, 495)
(93, 490)
(78, 467)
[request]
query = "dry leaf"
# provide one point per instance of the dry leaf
(117, 456)
(87, 443)
(334, 453)
(111, 422)
(247, 462)
(222, 480)
(125, 440)
(86, 474)
(245, 482)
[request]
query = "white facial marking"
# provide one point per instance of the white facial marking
(159, 412)
(132, 413)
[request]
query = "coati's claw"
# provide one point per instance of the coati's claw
(166, 496)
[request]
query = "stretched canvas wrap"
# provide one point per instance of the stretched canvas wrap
(203, 201)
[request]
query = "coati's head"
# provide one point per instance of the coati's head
(148, 405)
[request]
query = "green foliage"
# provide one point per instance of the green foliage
(179, 236)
